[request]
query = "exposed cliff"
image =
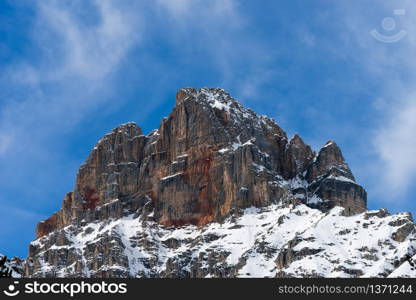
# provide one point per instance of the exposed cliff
(209, 156)
(143, 204)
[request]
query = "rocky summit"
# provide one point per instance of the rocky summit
(218, 191)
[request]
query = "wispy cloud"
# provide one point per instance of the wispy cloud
(195, 9)
(220, 28)
(392, 141)
(394, 137)
(396, 146)
(72, 71)
(90, 51)
(74, 50)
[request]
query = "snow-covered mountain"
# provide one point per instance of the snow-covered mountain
(272, 241)
(218, 191)
(10, 267)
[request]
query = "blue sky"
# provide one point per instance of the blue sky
(70, 71)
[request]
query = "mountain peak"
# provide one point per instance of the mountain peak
(330, 158)
(214, 98)
(209, 93)
(209, 161)
(184, 93)
(210, 156)
(330, 143)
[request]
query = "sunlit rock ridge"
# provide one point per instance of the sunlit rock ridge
(218, 191)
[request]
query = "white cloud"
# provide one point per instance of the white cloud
(219, 28)
(396, 146)
(65, 75)
(390, 148)
(394, 139)
(196, 8)
(89, 51)
(72, 73)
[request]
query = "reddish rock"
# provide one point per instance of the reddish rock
(47, 226)
(209, 156)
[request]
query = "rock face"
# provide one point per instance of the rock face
(209, 161)
(209, 156)
(331, 179)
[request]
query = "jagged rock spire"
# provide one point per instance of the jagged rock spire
(331, 179)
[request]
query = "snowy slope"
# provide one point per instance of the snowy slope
(274, 241)
(10, 267)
